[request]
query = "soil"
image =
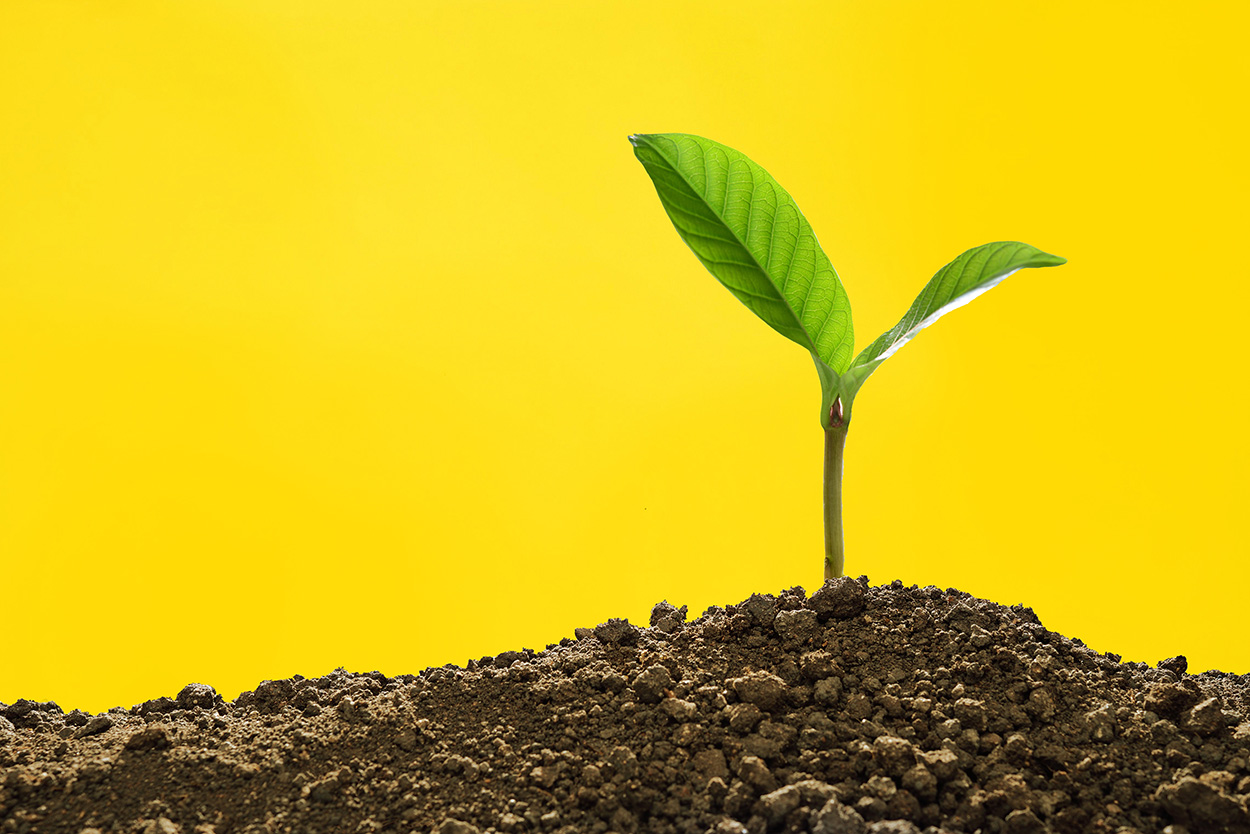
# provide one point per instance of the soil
(859, 709)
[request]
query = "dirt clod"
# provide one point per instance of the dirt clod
(840, 598)
(196, 695)
(667, 617)
(858, 710)
(651, 683)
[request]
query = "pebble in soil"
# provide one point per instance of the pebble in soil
(889, 710)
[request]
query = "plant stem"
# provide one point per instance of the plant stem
(835, 440)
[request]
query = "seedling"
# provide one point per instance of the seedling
(752, 237)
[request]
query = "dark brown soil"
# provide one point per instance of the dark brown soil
(886, 709)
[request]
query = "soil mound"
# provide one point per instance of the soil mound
(858, 709)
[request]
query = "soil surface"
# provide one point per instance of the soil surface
(858, 709)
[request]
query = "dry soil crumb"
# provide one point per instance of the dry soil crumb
(890, 710)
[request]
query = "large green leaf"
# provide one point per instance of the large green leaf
(750, 234)
(955, 284)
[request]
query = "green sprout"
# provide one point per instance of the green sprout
(752, 237)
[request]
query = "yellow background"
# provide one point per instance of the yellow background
(339, 333)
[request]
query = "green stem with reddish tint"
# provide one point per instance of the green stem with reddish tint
(835, 441)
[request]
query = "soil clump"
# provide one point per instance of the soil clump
(857, 710)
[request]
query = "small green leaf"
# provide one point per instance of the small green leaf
(750, 234)
(955, 284)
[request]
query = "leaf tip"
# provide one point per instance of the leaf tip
(635, 139)
(1040, 258)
